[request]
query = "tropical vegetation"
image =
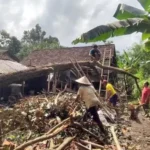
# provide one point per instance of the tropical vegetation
(34, 39)
(131, 20)
(136, 61)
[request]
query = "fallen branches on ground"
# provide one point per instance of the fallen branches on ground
(65, 143)
(42, 138)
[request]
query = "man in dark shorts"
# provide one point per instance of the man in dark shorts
(87, 93)
(95, 53)
(111, 93)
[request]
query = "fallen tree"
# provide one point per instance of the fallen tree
(6, 79)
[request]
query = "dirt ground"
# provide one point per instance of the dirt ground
(140, 132)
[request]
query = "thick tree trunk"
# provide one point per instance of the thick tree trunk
(115, 69)
(6, 79)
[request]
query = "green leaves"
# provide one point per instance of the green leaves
(125, 11)
(145, 4)
(147, 45)
(145, 36)
(14, 45)
(131, 20)
(122, 27)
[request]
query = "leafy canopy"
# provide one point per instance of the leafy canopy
(130, 20)
(34, 39)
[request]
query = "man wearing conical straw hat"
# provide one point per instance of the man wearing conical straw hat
(87, 93)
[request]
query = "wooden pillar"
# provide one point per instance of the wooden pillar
(87, 72)
(55, 82)
(70, 81)
(61, 84)
(48, 84)
(23, 85)
(49, 79)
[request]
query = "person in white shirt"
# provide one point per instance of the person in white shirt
(88, 94)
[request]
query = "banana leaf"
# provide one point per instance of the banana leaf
(145, 4)
(145, 36)
(147, 45)
(122, 27)
(125, 11)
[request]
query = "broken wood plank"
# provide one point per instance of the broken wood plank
(66, 142)
(58, 125)
(81, 146)
(115, 138)
(93, 144)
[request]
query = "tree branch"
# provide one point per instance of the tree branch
(41, 138)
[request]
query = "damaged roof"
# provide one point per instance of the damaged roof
(5, 55)
(62, 55)
(7, 66)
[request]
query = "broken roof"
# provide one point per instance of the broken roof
(5, 55)
(7, 66)
(62, 55)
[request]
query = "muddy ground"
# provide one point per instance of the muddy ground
(140, 132)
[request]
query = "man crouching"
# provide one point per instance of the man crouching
(88, 94)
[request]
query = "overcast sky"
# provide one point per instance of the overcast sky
(65, 19)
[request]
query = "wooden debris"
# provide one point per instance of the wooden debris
(82, 146)
(115, 138)
(93, 144)
(57, 126)
(42, 138)
(60, 93)
(66, 142)
(87, 131)
(33, 109)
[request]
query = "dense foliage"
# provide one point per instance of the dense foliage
(130, 20)
(34, 39)
(136, 60)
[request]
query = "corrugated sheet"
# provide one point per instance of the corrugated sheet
(62, 55)
(7, 66)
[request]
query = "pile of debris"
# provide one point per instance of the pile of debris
(56, 122)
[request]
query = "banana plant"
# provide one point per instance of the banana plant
(129, 63)
(130, 20)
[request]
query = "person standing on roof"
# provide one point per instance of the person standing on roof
(88, 94)
(95, 53)
(145, 98)
(111, 93)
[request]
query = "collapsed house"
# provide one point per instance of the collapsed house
(51, 70)
(8, 67)
(66, 55)
(8, 64)
(5, 55)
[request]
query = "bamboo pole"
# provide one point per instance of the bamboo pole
(115, 138)
(66, 142)
(80, 68)
(76, 68)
